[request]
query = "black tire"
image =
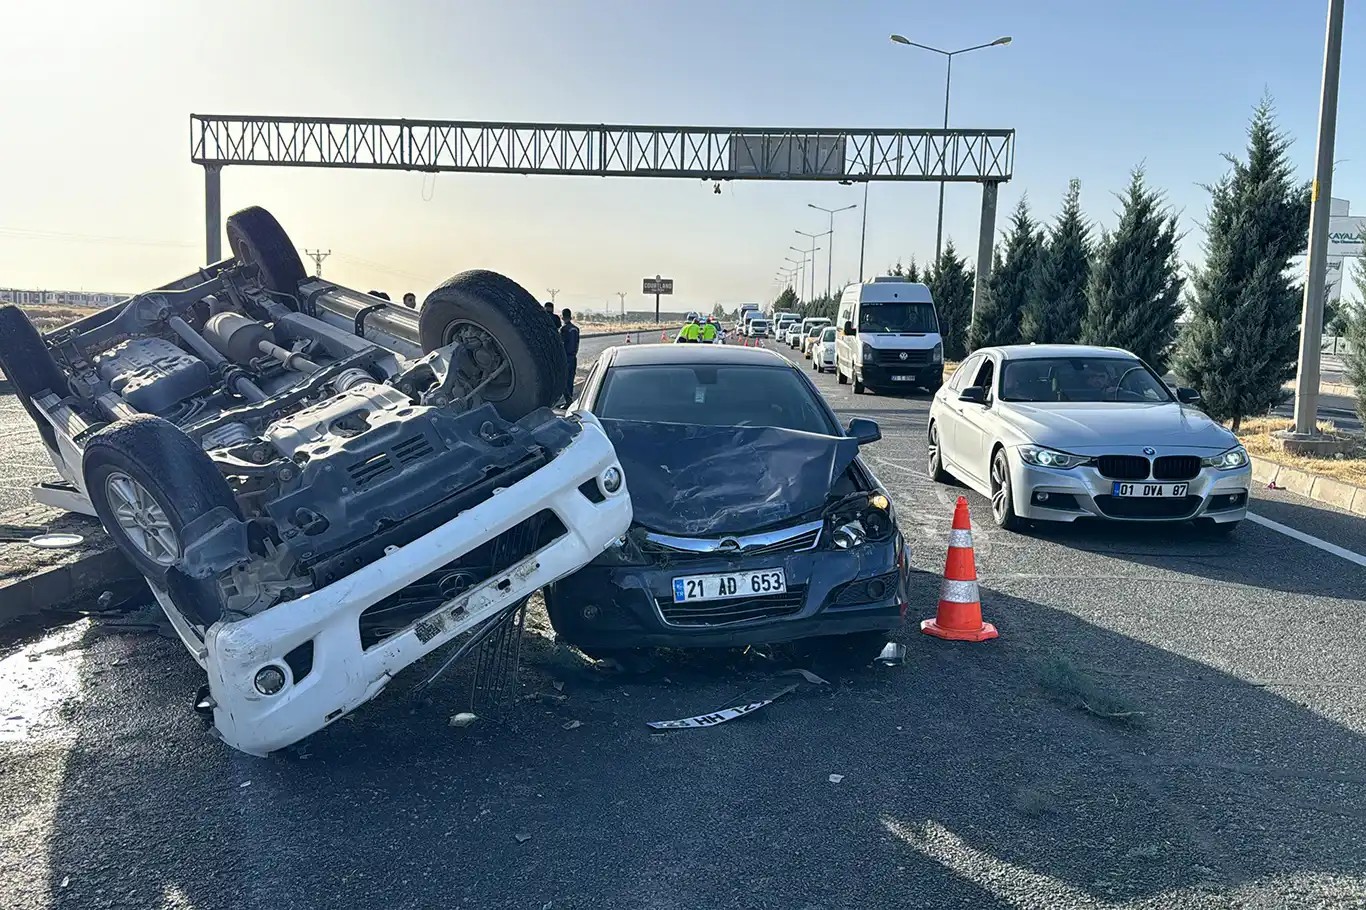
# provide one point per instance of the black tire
(1003, 511)
(936, 458)
(256, 237)
(505, 310)
(29, 367)
(181, 479)
(859, 387)
(839, 374)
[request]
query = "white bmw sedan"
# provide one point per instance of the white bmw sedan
(1061, 432)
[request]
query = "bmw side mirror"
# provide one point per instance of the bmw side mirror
(973, 394)
(849, 329)
(1187, 396)
(864, 430)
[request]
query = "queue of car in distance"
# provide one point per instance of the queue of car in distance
(823, 351)
(755, 520)
(1068, 432)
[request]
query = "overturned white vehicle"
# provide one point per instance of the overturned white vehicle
(320, 487)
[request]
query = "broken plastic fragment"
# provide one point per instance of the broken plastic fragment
(836, 778)
(572, 725)
(245, 783)
(806, 675)
(522, 837)
(718, 717)
(893, 655)
(463, 719)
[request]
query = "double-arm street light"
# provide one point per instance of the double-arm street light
(812, 253)
(830, 253)
(948, 76)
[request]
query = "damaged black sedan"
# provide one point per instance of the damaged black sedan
(755, 520)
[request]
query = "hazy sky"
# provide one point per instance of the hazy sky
(97, 191)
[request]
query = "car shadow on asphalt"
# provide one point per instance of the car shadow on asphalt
(1251, 555)
(1062, 762)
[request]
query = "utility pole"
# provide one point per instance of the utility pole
(621, 295)
(863, 237)
(552, 292)
(317, 256)
(1311, 325)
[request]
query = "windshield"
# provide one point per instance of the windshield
(814, 329)
(1081, 379)
(917, 318)
(828, 335)
(726, 395)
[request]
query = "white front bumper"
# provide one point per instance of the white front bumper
(344, 676)
(1084, 484)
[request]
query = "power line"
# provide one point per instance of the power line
(90, 238)
(317, 256)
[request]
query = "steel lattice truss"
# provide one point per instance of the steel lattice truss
(708, 153)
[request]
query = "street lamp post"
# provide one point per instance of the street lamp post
(830, 253)
(1315, 289)
(948, 77)
(814, 248)
(863, 235)
(797, 267)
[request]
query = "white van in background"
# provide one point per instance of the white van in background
(888, 336)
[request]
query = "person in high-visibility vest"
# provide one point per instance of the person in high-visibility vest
(709, 331)
(690, 332)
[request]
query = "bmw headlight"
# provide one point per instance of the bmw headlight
(867, 353)
(1051, 458)
(1235, 457)
(937, 355)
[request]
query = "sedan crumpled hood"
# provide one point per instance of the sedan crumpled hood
(1079, 426)
(693, 481)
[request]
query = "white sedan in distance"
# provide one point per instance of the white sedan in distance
(1061, 432)
(823, 351)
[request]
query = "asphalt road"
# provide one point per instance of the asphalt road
(972, 776)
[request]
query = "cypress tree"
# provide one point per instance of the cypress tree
(1243, 338)
(950, 284)
(1133, 296)
(1057, 297)
(997, 320)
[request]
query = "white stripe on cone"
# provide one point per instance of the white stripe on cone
(960, 538)
(959, 592)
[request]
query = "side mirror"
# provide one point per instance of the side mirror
(849, 329)
(864, 430)
(1187, 396)
(973, 394)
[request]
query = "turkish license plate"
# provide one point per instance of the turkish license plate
(1150, 490)
(903, 379)
(729, 584)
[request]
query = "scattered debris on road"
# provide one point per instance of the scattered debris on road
(718, 717)
(893, 655)
(806, 675)
(836, 778)
(522, 837)
(463, 719)
(572, 725)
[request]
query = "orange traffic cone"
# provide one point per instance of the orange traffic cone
(960, 607)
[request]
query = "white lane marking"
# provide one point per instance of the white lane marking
(1323, 545)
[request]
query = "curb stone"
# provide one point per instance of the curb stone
(1311, 486)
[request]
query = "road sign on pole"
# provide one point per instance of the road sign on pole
(657, 286)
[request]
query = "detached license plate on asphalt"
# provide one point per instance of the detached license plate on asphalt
(729, 584)
(1153, 490)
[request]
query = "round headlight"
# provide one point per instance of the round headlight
(269, 680)
(878, 501)
(611, 480)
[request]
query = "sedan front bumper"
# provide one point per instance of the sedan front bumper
(607, 607)
(1054, 494)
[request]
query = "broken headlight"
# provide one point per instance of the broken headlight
(860, 519)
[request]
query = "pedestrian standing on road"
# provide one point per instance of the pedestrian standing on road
(691, 332)
(709, 331)
(410, 300)
(569, 335)
(550, 311)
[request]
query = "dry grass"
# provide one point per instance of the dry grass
(589, 328)
(48, 316)
(1255, 436)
